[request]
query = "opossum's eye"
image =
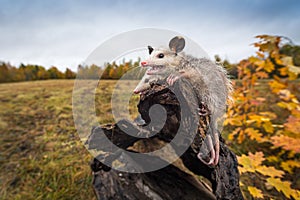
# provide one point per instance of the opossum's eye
(161, 55)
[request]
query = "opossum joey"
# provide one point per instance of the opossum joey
(208, 80)
(161, 64)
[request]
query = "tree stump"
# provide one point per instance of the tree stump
(170, 182)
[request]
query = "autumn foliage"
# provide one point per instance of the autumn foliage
(263, 123)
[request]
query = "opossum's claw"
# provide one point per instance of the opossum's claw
(212, 152)
(216, 142)
(172, 79)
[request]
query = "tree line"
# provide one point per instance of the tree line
(30, 72)
(111, 70)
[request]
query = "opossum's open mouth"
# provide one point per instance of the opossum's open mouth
(155, 69)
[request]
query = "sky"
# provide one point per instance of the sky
(64, 33)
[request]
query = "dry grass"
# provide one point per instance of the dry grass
(41, 155)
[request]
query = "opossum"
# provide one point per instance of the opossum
(209, 81)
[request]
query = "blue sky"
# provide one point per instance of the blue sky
(64, 33)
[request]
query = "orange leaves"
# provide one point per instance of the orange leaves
(262, 75)
(293, 125)
(286, 142)
(268, 43)
(251, 119)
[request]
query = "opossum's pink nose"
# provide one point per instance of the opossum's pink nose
(136, 91)
(143, 63)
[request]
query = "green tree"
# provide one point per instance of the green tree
(54, 73)
(69, 74)
(293, 51)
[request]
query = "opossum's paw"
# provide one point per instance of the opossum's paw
(203, 110)
(172, 79)
(209, 152)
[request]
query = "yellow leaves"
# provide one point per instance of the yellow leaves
(262, 119)
(285, 95)
(287, 60)
(265, 64)
(272, 159)
(269, 171)
(253, 163)
(286, 142)
(234, 121)
(268, 126)
(289, 102)
(255, 192)
(235, 132)
(255, 135)
(283, 71)
(289, 165)
(276, 86)
(293, 71)
(288, 105)
(258, 118)
(284, 187)
(268, 66)
(269, 115)
(253, 59)
(247, 123)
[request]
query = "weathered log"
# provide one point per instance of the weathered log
(166, 183)
(169, 182)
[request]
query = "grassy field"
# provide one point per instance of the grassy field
(41, 155)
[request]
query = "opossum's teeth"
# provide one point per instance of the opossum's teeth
(154, 69)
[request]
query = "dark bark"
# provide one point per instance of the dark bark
(169, 182)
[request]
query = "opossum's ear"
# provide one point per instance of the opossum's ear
(177, 44)
(150, 49)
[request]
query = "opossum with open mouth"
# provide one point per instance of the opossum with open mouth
(209, 81)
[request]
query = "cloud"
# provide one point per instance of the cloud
(64, 33)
